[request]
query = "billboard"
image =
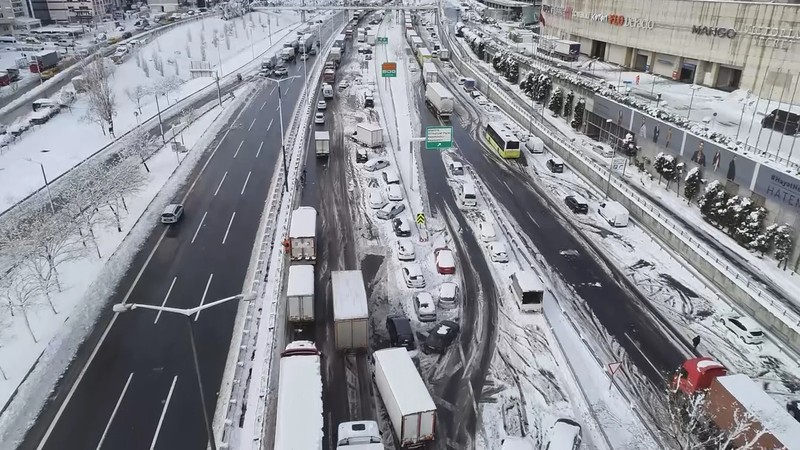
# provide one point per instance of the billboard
(712, 158)
(780, 187)
(651, 130)
(607, 109)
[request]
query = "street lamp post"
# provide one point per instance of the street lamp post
(694, 89)
(160, 123)
(611, 163)
(188, 313)
(46, 184)
(283, 139)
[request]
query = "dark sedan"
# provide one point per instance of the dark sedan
(441, 336)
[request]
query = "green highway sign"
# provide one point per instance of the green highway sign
(382, 39)
(420, 219)
(438, 138)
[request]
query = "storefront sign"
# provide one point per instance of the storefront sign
(729, 33)
(782, 44)
(623, 21)
(565, 12)
(781, 38)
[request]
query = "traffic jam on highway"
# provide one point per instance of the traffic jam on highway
(416, 302)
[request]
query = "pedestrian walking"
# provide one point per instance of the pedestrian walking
(696, 342)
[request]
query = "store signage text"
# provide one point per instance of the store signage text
(565, 12)
(714, 31)
(622, 21)
(781, 38)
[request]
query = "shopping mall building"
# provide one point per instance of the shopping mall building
(728, 45)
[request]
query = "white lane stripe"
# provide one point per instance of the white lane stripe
(225, 238)
(238, 148)
(220, 183)
(259, 148)
(163, 412)
(263, 105)
(251, 124)
(114, 412)
(99, 344)
(200, 225)
(273, 90)
(169, 291)
(203, 299)
(245, 183)
(270, 124)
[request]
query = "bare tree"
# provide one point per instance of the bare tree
(188, 50)
(189, 34)
(51, 241)
(20, 293)
(167, 86)
(84, 193)
(102, 101)
(141, 144)
(122, 178)
(228, 36)
(203, 45)
(136, 95)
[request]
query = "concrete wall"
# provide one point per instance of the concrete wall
(756, 37)
(784, 326)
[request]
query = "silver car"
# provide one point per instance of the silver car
(391, 211)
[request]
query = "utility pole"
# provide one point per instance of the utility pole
(160, 123)
(283, 138)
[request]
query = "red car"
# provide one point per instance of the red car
(445, 262)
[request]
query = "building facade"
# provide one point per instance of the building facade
(10, 11)
(78, 11)
(722, 44)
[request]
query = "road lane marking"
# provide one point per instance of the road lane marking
(263, 105)
(270, 124)
(245, 183)
(200, 225)
(653, 366)
(533, 220)
(273, 90)
(278, 108)
(99, 344)
(259, 148)
(251, 124)
(165, 298)
(163, 413)
(220, 183)
(114, 412)
(203, 299)
(225, 238)
(238, 148)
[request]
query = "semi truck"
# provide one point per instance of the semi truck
(287, 54)
(329, 76)
(300, 293)
(407, 400)
(43, 60)
(339, 41)
(361, 435)
(369, 134)
(269, 62)
(306, 42)
(444, 54)
(350, 311)
(322, 143)
(429, 73)
(303, 234)
(299, 421)
(371, 36)
(737, 404)
(336, 55)
(439, 99)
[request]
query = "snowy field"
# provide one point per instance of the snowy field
(163, 66)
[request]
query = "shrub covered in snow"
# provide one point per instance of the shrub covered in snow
(713, 202)
(557, 101)
(628, 146)
(783, 244)
(577, 118)
(568, 101)
(665, 165)
(543, 88)
(693, 181)
(512, 72)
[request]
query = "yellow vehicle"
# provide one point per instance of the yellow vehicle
(49, 73)
(501, 140)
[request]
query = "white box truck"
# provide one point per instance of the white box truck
(429, 73)
(371, 36)
(300, 293)
(303, 234)
(440, 99)
(322, 143)
(350, 311)
(407, 400)
(444, 54)
(614, 213)
(360, 435)
(369, 134)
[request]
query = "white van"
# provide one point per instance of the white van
(614, 213)
(534, 145)
(565, 435)
(527, 289)
(8, 40)
(466, 193)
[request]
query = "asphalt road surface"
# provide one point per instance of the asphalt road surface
(619, 311)
(140, 389)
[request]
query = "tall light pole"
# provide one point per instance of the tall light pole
(160, 123)
(188, 313)
(46, 184)
(283, 139)
(694, 89)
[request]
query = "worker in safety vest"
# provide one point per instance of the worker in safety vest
(287, 246)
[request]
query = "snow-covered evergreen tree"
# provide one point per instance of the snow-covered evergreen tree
(480, 49)
(735, 208)
(544, 88)
(557, 101)
(568, 101)
(670, 169)
(658, 164)
(526, 82)
(693, 181)
(628, 146)
(783, 244)
(512, 71)
(498, 62)
(577, 118)
(713, 198)
(750, 226)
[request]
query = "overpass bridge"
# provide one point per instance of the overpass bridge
(347, 8)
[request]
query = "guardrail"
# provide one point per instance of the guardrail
(788, 326)
(152, 122)
(256, 389)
